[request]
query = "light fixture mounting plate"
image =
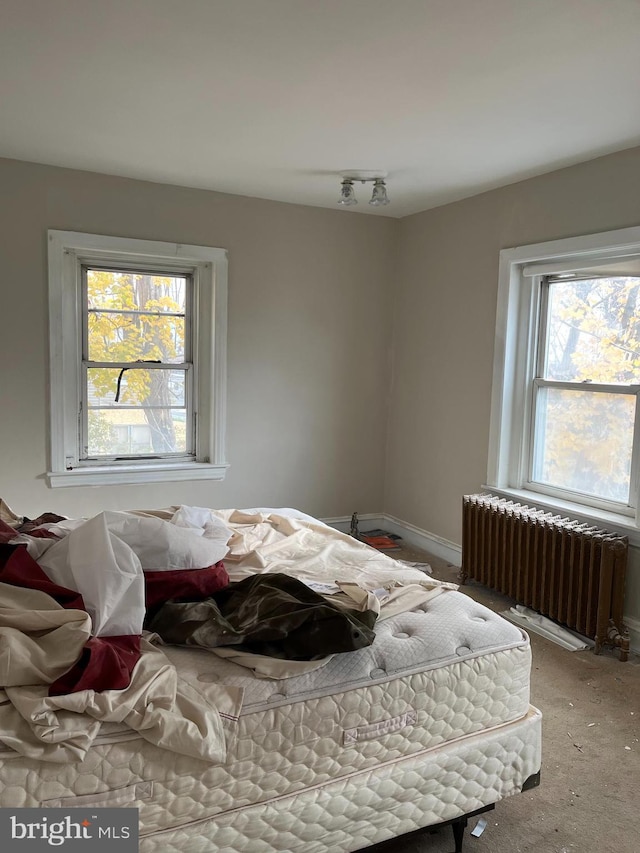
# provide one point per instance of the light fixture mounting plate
(363, 174)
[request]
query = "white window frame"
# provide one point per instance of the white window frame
(69, 251)
(517, 317)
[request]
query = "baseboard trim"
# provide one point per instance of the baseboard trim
(343, 522)
(415, 536)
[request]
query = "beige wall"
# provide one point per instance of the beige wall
(313, 298)
(446, 290)
(309, 305)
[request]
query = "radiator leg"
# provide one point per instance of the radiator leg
(621, 640)
(624, 649)
(615, 638)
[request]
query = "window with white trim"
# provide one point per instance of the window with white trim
(565, 422)
(138, 360)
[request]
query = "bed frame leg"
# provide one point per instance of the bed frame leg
(459, 824)
(458, 827)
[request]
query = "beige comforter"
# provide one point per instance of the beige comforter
(40, 640)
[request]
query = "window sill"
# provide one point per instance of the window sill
(136, 474)
(622, 524)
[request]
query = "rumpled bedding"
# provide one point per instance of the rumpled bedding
(308, 549)
(104, 567)
(266, 541)
(39, 639)
(72, 656)
(157, 704)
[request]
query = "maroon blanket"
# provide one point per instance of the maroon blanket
(106, 663)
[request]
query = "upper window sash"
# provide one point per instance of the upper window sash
(610, 263)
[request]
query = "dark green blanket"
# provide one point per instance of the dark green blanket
(270, 614)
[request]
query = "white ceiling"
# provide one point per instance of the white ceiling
(274, 98)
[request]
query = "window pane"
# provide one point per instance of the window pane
(135, 316)
(593, 331)
(583, 442)
(113, 336)
(138, 386)
(136, 432)
(133, 290)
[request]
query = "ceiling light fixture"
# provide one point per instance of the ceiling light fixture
(379, 196)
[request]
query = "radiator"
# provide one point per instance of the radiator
(564, 569)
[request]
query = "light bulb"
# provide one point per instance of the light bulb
(379, 196)
(347, 194)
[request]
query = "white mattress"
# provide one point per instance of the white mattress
(444, 689)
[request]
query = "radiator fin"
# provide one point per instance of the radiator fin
(567, 570)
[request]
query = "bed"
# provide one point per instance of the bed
(428, 723)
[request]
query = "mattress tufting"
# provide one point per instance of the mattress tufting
(444, 687)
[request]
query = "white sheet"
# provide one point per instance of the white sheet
(309, 549)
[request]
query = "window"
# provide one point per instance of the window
(565, 428)
(138, 354)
